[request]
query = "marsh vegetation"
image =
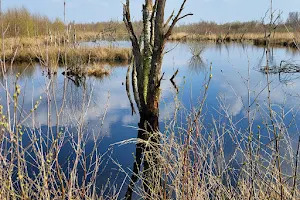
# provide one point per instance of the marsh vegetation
(166, 114)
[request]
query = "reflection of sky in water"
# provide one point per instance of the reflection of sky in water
(230, 70)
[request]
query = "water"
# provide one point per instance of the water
(107, 97)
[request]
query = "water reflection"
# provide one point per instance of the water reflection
(233, 65)
(25, 69)
(108, 97)
(197, 65)
(286, 71)
(145, 162)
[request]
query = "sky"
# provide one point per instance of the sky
(220, 11)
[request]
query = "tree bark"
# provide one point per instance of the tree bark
(147, 16)
(147, 124)
(146, 81)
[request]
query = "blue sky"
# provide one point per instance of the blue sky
(219, 11)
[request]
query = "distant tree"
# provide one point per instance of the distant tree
(293, 19)
(20, 22)
(58, 25)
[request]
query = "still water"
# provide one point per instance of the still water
(106, 110)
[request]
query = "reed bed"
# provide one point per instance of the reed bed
(62, 55)
(280, 39)
(98, 71)
(193, 165)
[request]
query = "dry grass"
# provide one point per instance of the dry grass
(51, 55)
(197, 160)
(30, 167)
(195, 166)
(92, 36)
(98, 71)
(282, 39)
(190, 162)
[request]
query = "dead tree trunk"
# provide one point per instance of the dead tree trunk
(148, 52)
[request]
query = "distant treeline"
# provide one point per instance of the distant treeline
(21, 22)
(212, 27)
(205, 27)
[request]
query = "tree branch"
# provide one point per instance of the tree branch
(174, 75)
(176, 19)
(170, 18)
(128, 89)
(128, 24)
(184, 16)
(159, 82)
(135, 89)
(152, 22)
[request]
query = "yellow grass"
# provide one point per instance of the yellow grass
(51, 55)
(98, 71)
(282, 38)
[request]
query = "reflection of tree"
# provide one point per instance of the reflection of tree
(197, 48)
(218, 48)
(24, 69)
(78, 80)
(147, 148)
(75, 96)
(286, 71)
(288, 78)
(196, 64)
(267, 58)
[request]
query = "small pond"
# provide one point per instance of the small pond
(106, 110)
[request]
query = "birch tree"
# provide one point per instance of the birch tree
(148, 53)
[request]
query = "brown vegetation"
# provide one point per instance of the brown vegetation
(61, 55)
(24, 24)
(20, 22)
(98, 71)
(278, 39)
(186, 162)
(257, 32)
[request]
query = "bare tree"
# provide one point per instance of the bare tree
(148, 52)
(293, 19)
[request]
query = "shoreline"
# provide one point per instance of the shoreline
(54, 56)
(257, 39)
